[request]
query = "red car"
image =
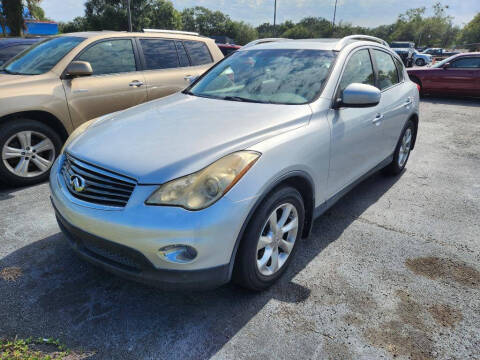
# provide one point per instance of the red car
(228, 49)
(457, 75)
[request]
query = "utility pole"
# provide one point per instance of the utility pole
(334, 15)
(275, 19)
(129, 17)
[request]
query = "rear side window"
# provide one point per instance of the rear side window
(9, 52)
(399, 69)
(466, 63)
(358, 70)
(198, 52)
(110, 57)
(182, 54)
(387, 71)
(159, 54)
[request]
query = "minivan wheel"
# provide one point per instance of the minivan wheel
(420, 62)
(28, 149)
(270, 239)
(402, 151)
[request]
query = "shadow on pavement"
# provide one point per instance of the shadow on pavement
(457, 101)
(60, 296)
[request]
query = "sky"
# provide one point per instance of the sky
(358, 12)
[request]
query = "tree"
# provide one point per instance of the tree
(13, 11)
(470, 35)
(3, 21)
(112, 15)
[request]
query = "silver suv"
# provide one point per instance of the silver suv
(224, 179)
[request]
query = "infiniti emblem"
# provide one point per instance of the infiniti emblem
(78, 183)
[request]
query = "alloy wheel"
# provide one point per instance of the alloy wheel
(405, 147)
(277, 239)
(28, 154)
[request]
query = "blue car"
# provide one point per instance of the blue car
(13, 46)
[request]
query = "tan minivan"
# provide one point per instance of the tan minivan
(53, 87)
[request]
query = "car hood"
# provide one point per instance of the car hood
(8, 80)
(180, 134)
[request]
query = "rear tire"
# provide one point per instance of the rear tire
(28, 149)
(402, 151)
(262, 243)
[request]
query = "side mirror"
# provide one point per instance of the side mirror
(190, 78)
(446, 66)
(79, 68)
(360, 95)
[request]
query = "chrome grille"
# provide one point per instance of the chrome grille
(100, 187)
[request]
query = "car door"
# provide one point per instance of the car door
(395, 101)
(462, 76)
(356, 132)
(115, 84)
(168, 65)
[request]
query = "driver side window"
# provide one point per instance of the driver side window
(359, 69)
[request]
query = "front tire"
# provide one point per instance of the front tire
(402, 151)
(28, 149)
(269, 242)
(420, 62)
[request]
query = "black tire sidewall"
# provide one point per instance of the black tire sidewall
(420, 62)
(246, 272)
(14, 126)
(395, 168)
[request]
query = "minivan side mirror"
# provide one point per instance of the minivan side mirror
(79, 68)
(360, 95)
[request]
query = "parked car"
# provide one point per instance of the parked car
(405, 49)
(10, 47)
(60, 83)
(228, 49)
(223, 179)
(439, 53)
(456, 75)
(421, 59)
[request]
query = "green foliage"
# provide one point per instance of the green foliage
(470, 35)
(28, 349)
(436, 30)
(112, 15)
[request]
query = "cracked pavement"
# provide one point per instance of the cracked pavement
(391, 271)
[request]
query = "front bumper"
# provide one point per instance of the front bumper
(127, 240)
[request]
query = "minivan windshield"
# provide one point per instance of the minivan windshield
(277, 76)
(42, 57)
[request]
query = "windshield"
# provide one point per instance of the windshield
(42, 57)
(279, 76)
(443, 62)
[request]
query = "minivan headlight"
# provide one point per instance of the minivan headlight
(201, 189)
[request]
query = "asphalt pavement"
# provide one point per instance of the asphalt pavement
(391, 271)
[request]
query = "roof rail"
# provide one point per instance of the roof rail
(351, 38)
(171, 32)
(263, 41)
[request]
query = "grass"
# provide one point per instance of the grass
(32, 349)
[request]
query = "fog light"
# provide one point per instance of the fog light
(180, 254)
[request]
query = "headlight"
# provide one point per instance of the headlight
(201, 189)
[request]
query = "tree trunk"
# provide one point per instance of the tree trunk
(13, 10)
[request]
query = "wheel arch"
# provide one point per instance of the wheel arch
(41, 116)
(299, 180)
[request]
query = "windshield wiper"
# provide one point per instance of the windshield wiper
(239, 98)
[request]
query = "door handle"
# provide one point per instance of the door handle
(408, 102)
(378, 118)
(135, 83)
